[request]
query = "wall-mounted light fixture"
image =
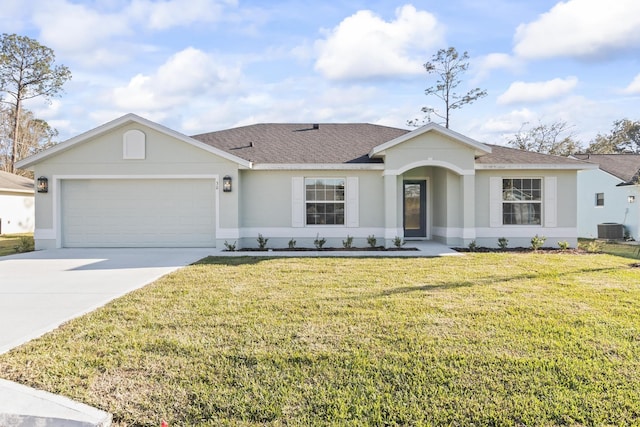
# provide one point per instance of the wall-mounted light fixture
(226, 184)
(43, 185)
(631, 199)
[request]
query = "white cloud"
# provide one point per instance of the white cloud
(160, 15)
(520, 92)
(508, 123)
(495, 61)
(96, 36)
(581, 29)
(187, 74)
(634, 87)
(71, 28)
(365, 46)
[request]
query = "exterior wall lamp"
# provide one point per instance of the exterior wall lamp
(631, 199)
(43, 185)
(226, 184)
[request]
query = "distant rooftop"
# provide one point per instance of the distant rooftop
(15, 183)
(623, 166)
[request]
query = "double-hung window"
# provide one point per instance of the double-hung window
(522, 201)
(324, 201)
(599, 199)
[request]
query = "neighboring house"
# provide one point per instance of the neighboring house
(16, 204)
(132, 182)
(609, 194)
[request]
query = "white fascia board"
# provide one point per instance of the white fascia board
(127, 118)
(520, 166)
(11, 190)
(478, 146)
(318, 166)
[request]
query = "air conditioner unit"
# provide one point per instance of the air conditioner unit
(610, 231)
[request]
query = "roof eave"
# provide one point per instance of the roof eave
(552, 166)
(15, 190)
(318, 166)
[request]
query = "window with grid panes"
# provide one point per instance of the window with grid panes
(522, 201)
(324, 201)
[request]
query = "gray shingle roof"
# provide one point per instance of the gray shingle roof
(623, 166)
(337, 143)
(301, 143)
(501, 155)
(11, 182)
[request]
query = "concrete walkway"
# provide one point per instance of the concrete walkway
(41, 290)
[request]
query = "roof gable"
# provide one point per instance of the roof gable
(107, 127)
(479, 147)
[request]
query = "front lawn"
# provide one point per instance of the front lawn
(496, 339)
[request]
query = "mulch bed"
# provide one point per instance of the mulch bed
(367, 249)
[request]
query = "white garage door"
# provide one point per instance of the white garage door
(138, 213)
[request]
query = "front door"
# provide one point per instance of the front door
(415, 206)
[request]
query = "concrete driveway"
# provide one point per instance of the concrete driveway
(41, 290)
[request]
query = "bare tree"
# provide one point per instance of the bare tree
(553, 138)
(448, 65)
(27, 70)
(35, 135)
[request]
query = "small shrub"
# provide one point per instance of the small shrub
(348, 244)
(473, 246)
(318, 242)
(26, 244)
(537, 242)
(398, 242)
(593, 247)
(262, 242)
(230, 246)
(371, 240)
(564, 245)
(503, 242)
(292, 244)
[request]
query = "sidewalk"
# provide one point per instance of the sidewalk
(22, 406)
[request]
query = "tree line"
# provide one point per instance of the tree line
(556, 138)
(27, 70)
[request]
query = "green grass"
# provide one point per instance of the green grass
(9, 243)
(620, 249)
(486, 339)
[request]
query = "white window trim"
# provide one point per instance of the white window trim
(596, 205)
(549, 209)
(343, 201)
(299, 203)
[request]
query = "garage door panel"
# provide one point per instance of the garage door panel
(143, 213)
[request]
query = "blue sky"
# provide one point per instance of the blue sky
(204, 65)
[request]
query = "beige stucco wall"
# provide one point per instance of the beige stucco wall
(265, 200)
(430, 147)
(565, 228)
(102, 156)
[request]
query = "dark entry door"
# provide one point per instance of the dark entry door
(415, 206)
